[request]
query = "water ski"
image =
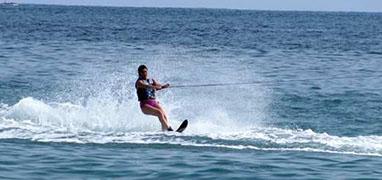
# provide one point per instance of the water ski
(182, 126)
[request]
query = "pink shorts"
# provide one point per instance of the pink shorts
(151, 102)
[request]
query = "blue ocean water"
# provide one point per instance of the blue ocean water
(297, 96)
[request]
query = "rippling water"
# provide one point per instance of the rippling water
(303, 96)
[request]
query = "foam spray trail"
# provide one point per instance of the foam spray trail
(64, 122)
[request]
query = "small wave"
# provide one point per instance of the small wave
(375, 52)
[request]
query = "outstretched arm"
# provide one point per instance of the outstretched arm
(160, 86)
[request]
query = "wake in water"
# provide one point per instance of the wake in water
(100, 122)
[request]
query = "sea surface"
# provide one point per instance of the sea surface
(268, 94)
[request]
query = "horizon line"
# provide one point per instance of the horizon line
(217, 8)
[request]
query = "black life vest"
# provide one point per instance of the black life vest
(145, 93)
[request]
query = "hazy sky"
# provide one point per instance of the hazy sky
(310, 5)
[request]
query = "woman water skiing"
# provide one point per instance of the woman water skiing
(146, 96)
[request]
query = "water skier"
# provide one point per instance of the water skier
(146, 88)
